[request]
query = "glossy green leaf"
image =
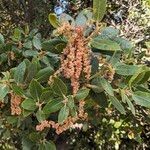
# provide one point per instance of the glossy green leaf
(52, 106)
(59, 87)
(99, 9)
(117, 104)
(35, 89)
(44, 74)
(82, 94)
(20, 72)
(63, 114)
(17, 34)
(29, 104)
(142, 98)
(53, 20)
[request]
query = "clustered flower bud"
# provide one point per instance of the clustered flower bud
(76, 56)
(68, 123)
(15, 104)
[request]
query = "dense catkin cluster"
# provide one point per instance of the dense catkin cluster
(68, 123)
(76, 56)
(15, 104)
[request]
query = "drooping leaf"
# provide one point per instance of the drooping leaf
(99, 9)
(35, 89)
(142, 98)
(106, 86)
(29, 104)
(52, 106)
(44, 74)
(53, 20)
(125, 99)
(117, 104)
(20, 72)
(82, 94)
(63, 114)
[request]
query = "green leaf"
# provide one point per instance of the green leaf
(17, 34)
(125, 99)
(100, 99)
(46, 96)
(28, 45)
(66, 18)
(35, 89)
(18, 90)
(47, 146)
(131, 106)
(117, 104)
(109, 33)
(37, 41)
(40, 115)
(105, 45)
(20, 72)
(4, 89)
(63, 114)
(31, 72)
(125, 45)
(142, 98)
(126, 70)
(1, 39)
(82, 94)
(29, 104)
(44, 74)
(99, 9)
(107, 86)
(52, 106)
(83, 17)
(96, 85)
(54, 45)
(30, 53)
(53, 20)
(59, 87)
(70, 103)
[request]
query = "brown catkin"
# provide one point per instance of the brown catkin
(15, 104)
(76, 56)
(68, 123)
